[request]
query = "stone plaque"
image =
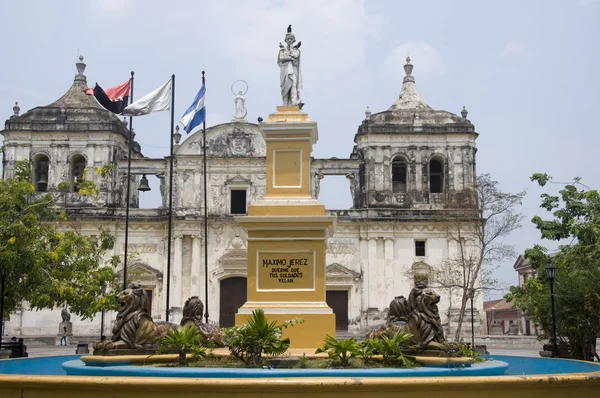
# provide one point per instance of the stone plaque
(285, 270)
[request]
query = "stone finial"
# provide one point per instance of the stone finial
(177, 136)
(16, 109)
(368, 114)
(408, 68)
(80, 69)
(464, 112)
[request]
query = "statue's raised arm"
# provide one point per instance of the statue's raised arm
(290, 73)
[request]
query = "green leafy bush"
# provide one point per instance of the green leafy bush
(390, 348)
(341, 350)
(183, 339)
(250, 341)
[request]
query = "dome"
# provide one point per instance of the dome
(410, 114)
(74, 111)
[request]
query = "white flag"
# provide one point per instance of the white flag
(156, 101)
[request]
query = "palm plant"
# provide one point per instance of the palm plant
(248, 342)
(183, 339)
(342, 350)
(391, 348)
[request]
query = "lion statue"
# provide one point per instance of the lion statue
(425, 321)
(133, 327)
(418, 315)
(192, 313)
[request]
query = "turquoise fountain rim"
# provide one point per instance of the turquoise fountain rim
(79, 368)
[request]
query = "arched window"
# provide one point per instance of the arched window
(78, 164)
(399, 165)
(436, 175)
(41, 165)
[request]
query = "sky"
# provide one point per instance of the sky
(528, 72)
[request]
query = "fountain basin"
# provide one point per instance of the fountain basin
(531, 377)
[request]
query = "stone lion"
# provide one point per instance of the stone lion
(418, 315)
(193, 310)
(425, 321)
(133, 327)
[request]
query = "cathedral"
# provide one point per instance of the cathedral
(409, 163)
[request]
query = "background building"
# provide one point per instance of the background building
(409, 164)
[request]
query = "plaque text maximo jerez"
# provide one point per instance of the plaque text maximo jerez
(281, 270)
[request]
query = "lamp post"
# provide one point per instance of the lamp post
(102, 317)
(471, 295)
(550, 273)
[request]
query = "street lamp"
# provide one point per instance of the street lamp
(471, 296)
(550, 271)
(102, 317)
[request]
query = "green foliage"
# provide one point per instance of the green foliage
(63, 186)
(368, 348)
(43, 264)
(105, 170)
(249, 342)
(460, 350)
(183, 339)
(390, 348)
(575, 217)
(341, 350)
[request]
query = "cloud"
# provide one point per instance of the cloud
(334, 35)
(513, 49)
(426, 59)
(110, 6)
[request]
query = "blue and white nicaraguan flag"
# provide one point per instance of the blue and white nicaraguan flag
(196, 113)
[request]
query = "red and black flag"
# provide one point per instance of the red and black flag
(114, 99)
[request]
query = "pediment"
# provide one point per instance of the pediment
(238, 180)
(234, 259)
(228, 140)
(340, 272)
(141, 272)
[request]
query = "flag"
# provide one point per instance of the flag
(196, 113)
(114, 99)
(156, 101)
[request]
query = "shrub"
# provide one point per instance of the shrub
(341, 350)
(391, 348)
(248, 342)
(183, 339)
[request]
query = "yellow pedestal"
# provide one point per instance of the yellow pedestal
(287, 235)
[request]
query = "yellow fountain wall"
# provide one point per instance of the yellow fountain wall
(541, 386)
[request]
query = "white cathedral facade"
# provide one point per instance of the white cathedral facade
(408, 164)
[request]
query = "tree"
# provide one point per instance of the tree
(43, 265)
(477, 228)
(576, 221)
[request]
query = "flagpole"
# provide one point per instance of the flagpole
(205, 215)
(127, 198)
(170, 197)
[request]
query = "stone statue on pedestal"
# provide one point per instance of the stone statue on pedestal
(290, 77)
(418, 315)
(65, 328)
(240, 108)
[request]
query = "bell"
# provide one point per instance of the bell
(43, 179)
(144, 187)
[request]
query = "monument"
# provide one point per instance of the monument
(65, 328)
(288, 229)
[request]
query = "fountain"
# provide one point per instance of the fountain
(289, 229)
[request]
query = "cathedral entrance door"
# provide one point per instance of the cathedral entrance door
(338, 301)
(233, 296)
